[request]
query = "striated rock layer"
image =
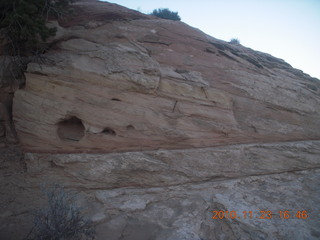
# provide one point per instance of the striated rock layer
(155, 125)
(170, 194)
(141, 83)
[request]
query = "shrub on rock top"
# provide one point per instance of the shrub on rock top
(235, 41)
(166, 14)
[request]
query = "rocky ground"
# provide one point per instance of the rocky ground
(155, 195)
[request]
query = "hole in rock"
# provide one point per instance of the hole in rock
(71, 129)
(116, 99)
(109, 131)
(130, 127)
(120, 36)
(181, 70)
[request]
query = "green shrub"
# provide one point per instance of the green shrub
(23, 24)
(235, 41)
(166, 14)
(61, 219)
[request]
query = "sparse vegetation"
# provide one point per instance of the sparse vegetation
(61, 219)
(235, 41)
(166, 14)
(24, 33)
(23, 24)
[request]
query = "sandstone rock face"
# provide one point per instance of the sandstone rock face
(146, 83)
(11, 78)
(155, 125)
(166, 168)
(171, 194)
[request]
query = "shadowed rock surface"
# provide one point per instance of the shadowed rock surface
(155, 125)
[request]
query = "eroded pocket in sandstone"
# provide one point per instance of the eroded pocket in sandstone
(109, 131)
(71, 129)
(130, 127)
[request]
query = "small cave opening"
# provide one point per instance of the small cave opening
(116, 99)
(71, 129)
(109, 131)
(130, 127)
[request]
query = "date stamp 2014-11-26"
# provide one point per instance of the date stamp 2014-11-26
(260, 215)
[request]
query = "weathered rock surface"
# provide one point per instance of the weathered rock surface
(155, 125)
(11, 78)
(170, 194)
(166, 168)
(146, 83)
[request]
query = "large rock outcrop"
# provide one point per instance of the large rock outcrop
(156, 124)
(144, 83)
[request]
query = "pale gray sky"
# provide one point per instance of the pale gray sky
(287, 29)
